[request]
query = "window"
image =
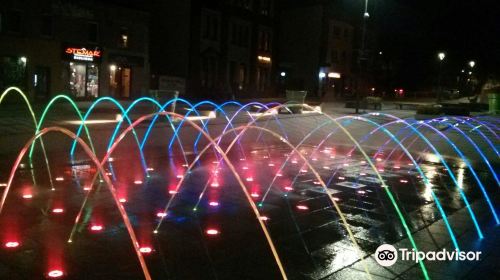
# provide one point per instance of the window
(336, 31)
(264, 43)
(208, 72)
(265, 7)
(46, 28)
(240, 34)
(346, 33)
(13, 22)
(93, 30)
(124, 37)
(238, 75)
(334, 56)
(245, 4)
(83, 80)
(210, 26)
(262, 78)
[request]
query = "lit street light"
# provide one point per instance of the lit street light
(472, 63)
(441, 57)
(362, 54)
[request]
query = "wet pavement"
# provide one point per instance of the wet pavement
(210, 230)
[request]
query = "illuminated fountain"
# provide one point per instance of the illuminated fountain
(162, 170)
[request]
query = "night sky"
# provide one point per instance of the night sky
(413, 31)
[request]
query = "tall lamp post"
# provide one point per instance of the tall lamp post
(362, 55)
(471, 63)
(441, 57)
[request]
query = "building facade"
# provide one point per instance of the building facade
(228, 46)
(85, 49)
(317, 50)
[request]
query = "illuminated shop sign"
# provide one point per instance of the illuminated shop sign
(82, 54)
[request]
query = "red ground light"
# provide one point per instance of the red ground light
(55, 273)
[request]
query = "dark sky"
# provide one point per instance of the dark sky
(413, 31)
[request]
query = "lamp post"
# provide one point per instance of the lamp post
(362, 55)
(471, 63)
(441, 57)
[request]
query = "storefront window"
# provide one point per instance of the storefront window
(84, 80)
(92, 80)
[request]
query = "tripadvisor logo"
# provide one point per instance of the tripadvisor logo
(387, 255)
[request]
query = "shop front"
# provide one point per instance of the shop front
(126, 75)
(83, 66)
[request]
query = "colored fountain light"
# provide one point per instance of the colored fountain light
(122, 200)
(302, 207)
(111, 159)
(271, 164)
(397, 167)
(11, 244)
(378, 159)
(27, 196)
(264, 218)
(288, 188)
(403, 181)
(3, 184)
(59, 179)
(279, 174)
(58, 210)
(161, 214)
(294, 161)
(245, 167)
(150, 169)
(138, 182)
(145, 250)
(213, 203)
(303, 170)
(55, 273)
(249, 179)
(362, 174)
(341, 178)
(86, 188)
(179, 176)
(214, 184)
(212, 231)
(96, 228)
(346, 164)
(361, 192)
(254, 194)
(109, 173)
(172, 192)
(336, 198)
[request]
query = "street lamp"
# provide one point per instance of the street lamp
(361, 55)
(472, 63)
(441, 56)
